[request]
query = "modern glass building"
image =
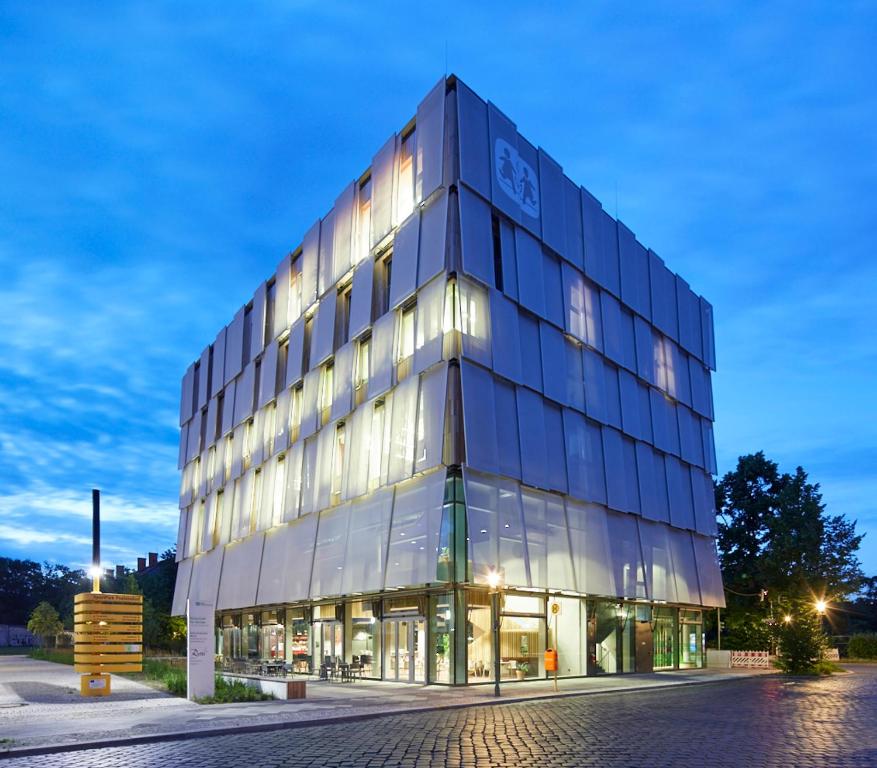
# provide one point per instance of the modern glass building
(467, 371)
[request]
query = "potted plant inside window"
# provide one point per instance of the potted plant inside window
(521, 669)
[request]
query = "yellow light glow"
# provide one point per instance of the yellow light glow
(493, 578)
(94, 572)
(821, 605)
(787, 619)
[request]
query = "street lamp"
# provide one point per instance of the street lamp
(494, 581)
(820, 606)
(787, 618)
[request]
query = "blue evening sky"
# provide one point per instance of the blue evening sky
(157, 160)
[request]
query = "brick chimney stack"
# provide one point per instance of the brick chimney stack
(120, 571)
(153, 559)
(141, 564)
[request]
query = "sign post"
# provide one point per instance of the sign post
(200, 674)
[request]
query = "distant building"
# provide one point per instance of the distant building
(466, 368)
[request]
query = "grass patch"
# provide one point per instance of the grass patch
(235, 691)
(163, 675)
(56, 655)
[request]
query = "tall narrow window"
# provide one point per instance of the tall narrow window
(383, 277)
(247, 453)
(497, 253)
(228, 455)
(295, 307)
(364, 220)
(405, 347)
(279, 488)
(342, 317)
(405, 199)
(211, 466)
(282, 359)
(220, 407)
(375, 448)
(306, 344)
(269, 426)
(295, 414)
(255, 501)
(338, 464)
(327, 384)
(361, 374)
(248, 334)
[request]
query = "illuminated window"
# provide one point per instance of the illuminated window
(375, 452)
(269, 426)
(326, 391)
(255, 500)
(282, 360)
(211, 465)
(270, 306)
(196, 477)
(295, 307)
(361, 373)
(342, 317)
(295, 414)
(338, 463)
(406, 334)
(382, 280)
(277, 496)
(405, 198)
(227, 456)
(364, 220)
(247, 453)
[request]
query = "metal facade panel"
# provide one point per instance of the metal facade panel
(245, 394)
(294, 368)
(433, 233)
(684, 567)
(310, 256)
(257, 317)
(181, 587)
(234, 346)
(688, 307)
(531, 355)
(475, 153)
(187, 394)
(280, 321)
(630, 411)
(574, 252)
(634, 261)
(383, 334)
(709, 447)
(554, 441)
(204, 379)
(610, 273)
(323, 342)
(193, 438)
(589, 537)
(326, 268)
(592, 234)
(366, 554)
(331, 546)
(613, 395)
(286, 562)
(509, 258)
(663, 289)
(382, 191)
(268, 375)
(361, 297)
(613, 456)
(575, 376)
(217, 375)
(708, 334)
(703, 492)
(584, 458)
(228, 408)
(430, 425)
(690, 437)
(645, 349)
(181, 453)
(508, 449)
(404, 276)
(626, 556)
(430, 123)
(429, 335)
(342, 239)
(534, 449)
(343, 380)
(504, 337)
(476, 237)
(502, 159)
(553, 208)
(595, 386)
(712, 592)
(403, 430)
(679, 491)
(700, 387)
(553, 362)
(479, 418)
(613, 339)
(206, 570)
(553, 288)
(658, 560)
(664, 423)
(531, 283)
(528, 186)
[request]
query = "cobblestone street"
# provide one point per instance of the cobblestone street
(766, 721)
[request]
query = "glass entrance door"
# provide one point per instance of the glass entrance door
(405, 650)
(328, 638)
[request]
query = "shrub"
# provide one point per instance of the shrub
(229, 692)
(175, 680)
(863, 646)
(801, 643)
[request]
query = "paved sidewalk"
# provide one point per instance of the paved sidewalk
(40, 705)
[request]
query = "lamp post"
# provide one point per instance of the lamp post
(494, 581)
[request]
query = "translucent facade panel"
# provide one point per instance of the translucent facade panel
(645, 350)
(325, 272)
(206, 570)
(239, 580)
(292, 496)
(508, 450)
(268, 376)
(627, 562)
(654, 503)
(429, 335)
(613, 336)
(359, 450)
(592, 234)
(310, 249)
(556, 448)
(328, 568)
(193, 437)
(226, 513)
(404, 425)
(709, 573)
(309, 414)
(709, 447)
(322, 344)
(658, 559)
(343, 380)
(528, 185)
(677, 372)
(286, 562)
(203, 392)
(234, 346)
(531, 351)
(572, 202)
(267, 489)
(690, 331)
(663, 290)
(433, 232)
(631, 483)
(309, 477)
(553, 348)
(613, 454)
(405, 245)
(684, 567)
(430, 142)
(257, 318)
(635, 286)
(476, 236)
(431, 419)
(280, 320)
(218, 366)
(531, 282)
(294, 368)
(575, 376)
(534, 448)
(415, 532)
(664, 424)
(323, 472)
(479, 418)
(366, 552)
(475, 153)
(679, 491)
(361, 298)
(552, 205)
(181, 587)
(244, 394)
(553, 284)
(584, 458)
(690, 437)
(548, 552)
(382, 191)
(382, 354)
(595, 386)
(496, 531)
(636, 417)
(703, 492)
(610, 272)
(503, 151)
(628, 343)
(700, 388)
(707, 334)
(589, 540)
(613, 395)
(474, 320)
(342, 241)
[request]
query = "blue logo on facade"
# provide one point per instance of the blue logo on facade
(516, 177)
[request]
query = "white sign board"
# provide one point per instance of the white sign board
(200, 675)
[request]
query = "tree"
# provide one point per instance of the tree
(800, 639)
(45, 623)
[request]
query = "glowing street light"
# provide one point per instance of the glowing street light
(820, 606)
(787, 618)
(494, 581)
